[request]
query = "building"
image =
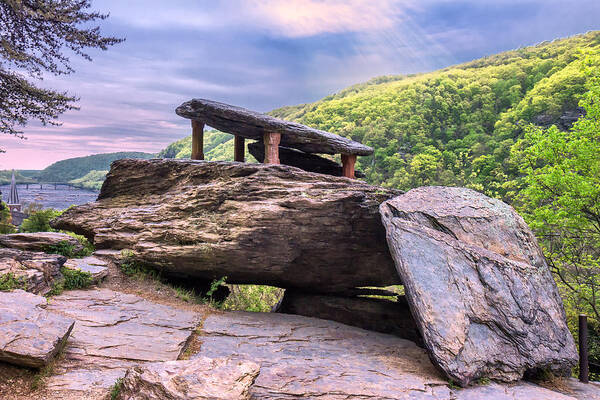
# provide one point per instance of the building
(13, 203)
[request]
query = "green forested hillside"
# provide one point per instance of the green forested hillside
(6, 177)
(93, 180)
(74, 168)
(454, 126)
(218, 146)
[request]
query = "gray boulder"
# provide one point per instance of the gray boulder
(478, 285)
(30, 336)
(254, 223)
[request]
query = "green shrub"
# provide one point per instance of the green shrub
(39, 221)
(10, 282)
(116, 389)
(257, 298)
(76, 279)
(68, 249)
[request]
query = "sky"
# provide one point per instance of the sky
(264, 54)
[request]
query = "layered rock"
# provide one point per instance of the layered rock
(39, 241)
(299, 159)
(114, 332)
(30, 336)
(478, 285)
(253, 223)
(30, 271)
(374, 314)
(202, 378)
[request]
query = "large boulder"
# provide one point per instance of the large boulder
(254, 223)
(478, 285)
(202, 378)
(32, 271)
(30, 336)
(48, 242)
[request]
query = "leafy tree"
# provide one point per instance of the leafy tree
(39, 221)
(5, 225)
(35, 36)
(560, 197)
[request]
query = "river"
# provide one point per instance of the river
(45, 194)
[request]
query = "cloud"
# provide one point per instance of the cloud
(300, 18)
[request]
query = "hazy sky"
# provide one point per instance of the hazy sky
(264, 54)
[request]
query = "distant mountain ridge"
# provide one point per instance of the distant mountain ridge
(74, 168)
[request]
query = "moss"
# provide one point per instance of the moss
(10, 282)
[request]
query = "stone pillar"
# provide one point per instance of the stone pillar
(197, 140)
(348, 161)
(272, 140)
(239, 149)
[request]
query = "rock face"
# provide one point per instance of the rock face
(199, 379)
(30, 336)
(39, 241)
(477, 283)
(115, 331)
(34, 272)
(254, 125)
(253, 223)
(373, 314)
(305, 161)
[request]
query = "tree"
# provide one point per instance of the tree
(560, 198)
(35, 38)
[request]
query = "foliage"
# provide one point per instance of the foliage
(39, 221)
(68, 249)
(256, 298)
(74, 168)
(5, 219)
(131, 267)
(455, 126)
(10, 282)
(76, 279)
(115, 389)
(93, 180)
(35, 37)
(218, 146)
(560, 197)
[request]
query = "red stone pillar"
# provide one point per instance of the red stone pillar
(197, 140)
(348, 161)
(239, 150)
(272, 140)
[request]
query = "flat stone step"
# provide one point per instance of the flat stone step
(114, 332)
(96, 267)
(30, 336)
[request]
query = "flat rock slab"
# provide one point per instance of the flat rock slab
(96, 267)
(253, 125)
(254, 223)
(308, 358)
(30, 336)
(303, 357)
(199, 379)
(33, 271)
(39, 241)
(115, 331)
(477, 283)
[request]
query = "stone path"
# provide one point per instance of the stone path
(113, 332)
(30, 336)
